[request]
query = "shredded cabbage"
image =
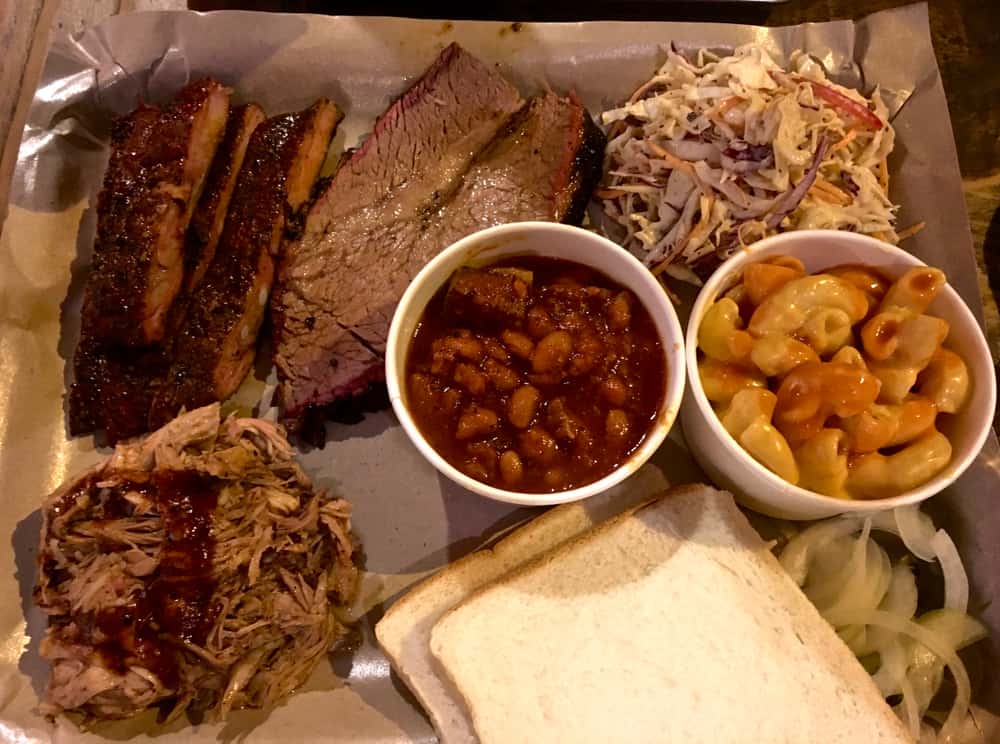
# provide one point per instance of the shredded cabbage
(712, 154)
(872, 604)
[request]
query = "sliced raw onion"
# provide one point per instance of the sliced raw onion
(956, 628)
(798, 553)
(901, 600)
(862, 585)
(871, 605)
(916, 530)
(941, 648)
(891, 679)
(956, 583)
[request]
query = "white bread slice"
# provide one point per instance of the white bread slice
(404, 631)
(670, 623)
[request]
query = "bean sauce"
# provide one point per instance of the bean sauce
(535, 374)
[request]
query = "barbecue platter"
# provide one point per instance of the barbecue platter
(239, 319)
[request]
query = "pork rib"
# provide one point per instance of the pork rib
(214, 349)
(159, 160)
(206, 225)
(158, 164)
(129, 377)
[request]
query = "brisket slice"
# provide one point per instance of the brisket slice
(158, 163)
(129, 377)
(414, 158)
(214, 348)
(341, 288)
(419, 148)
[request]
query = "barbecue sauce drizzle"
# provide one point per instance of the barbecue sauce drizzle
(176, 604)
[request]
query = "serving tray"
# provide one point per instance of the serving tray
(410, 520)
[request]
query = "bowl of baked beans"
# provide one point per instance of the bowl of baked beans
(535, 363)
(831, 372)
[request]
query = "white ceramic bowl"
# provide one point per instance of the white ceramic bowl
(729, 465)
(537, 239)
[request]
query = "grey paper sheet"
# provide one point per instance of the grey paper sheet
(410, 520)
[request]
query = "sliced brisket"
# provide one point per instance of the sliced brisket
(357, 235)
(342, 282)
(215, 346)
(419, 148)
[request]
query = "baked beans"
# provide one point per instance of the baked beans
(535, 374)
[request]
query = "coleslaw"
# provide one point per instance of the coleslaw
(712, 154)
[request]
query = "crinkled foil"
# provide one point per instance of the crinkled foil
(410, 520)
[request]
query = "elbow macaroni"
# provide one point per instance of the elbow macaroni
(776, 355)
(822, 463)
(788, 308)
(945, 381)
(877, 476)
(721, 335)
(916, 289)
(721, 381)
(890, 425)
(826, 330)
(747, 406)
(748, 420)
(845, 418)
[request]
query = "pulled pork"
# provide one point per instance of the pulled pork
(195, 570)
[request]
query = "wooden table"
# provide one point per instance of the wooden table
(966, 34)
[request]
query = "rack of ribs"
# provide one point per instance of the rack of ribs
(158, 164)
(215, 344)
(132, 376)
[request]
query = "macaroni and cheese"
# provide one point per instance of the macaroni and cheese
(834, 381)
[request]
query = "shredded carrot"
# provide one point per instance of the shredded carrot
(843, 142)
(700, 231)
(674, 298)
(662, 266)
(824, 196)
(883, 175)
(910, 231)
(672, 160)
(642, 89)
(881, 235)
(832, 188)
(825, 190)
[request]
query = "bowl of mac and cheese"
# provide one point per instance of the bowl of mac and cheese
(830, 372)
